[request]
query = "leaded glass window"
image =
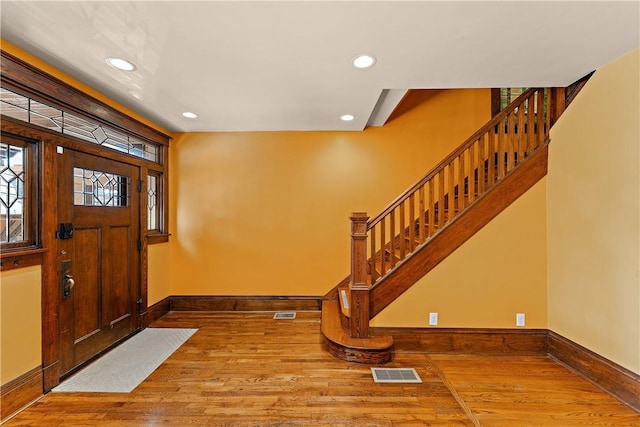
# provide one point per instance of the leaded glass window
(18, 192)
(12, 195)
(97, 188)
(152, 203)
(31, 111)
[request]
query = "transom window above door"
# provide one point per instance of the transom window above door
(31, 111)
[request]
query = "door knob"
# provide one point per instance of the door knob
(68, 284)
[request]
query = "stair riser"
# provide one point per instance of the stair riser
(357, 355)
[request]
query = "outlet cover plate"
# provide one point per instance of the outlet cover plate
(433, 319)
(520, 319)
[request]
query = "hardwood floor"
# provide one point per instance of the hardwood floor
(246, 369)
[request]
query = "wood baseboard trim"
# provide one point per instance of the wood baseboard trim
(245, 303)
(155, 312)
(20, 392)
(50, 376)
(609, 376)
(467, 340)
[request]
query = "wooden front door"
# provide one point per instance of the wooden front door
(98, 238)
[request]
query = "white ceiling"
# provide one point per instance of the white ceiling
(286, 65)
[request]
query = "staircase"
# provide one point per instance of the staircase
(426, 223)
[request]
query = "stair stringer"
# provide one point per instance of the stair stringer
(468, 222)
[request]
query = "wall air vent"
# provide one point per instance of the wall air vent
(285, 315)
(395, 375)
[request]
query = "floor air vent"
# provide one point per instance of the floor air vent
(395, 375)
(285, 315)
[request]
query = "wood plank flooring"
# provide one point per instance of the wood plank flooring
(246, 369)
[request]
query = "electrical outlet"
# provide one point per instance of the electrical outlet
(433, 319)
(519, 319)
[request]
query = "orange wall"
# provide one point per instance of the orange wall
(267, 213)
(158, 270)
(20, 322)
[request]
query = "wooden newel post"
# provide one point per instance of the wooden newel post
(359, 310)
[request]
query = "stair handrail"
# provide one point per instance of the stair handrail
(453, 155)
(468, 172)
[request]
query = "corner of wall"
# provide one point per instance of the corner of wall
(594, 215)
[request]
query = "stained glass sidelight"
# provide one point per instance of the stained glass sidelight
(12, 193)
(96, 188)
(152, 204)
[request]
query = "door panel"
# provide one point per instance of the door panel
(86, 268)
(117, 296)
(99, 197)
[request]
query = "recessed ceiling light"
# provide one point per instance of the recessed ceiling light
(121, 64)
(347, 117)
(190, 115)
(364, 61)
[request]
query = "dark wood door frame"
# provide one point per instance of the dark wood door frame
(52, 367)
(24, 78)
(52, 264)
(51, 274)
(102, 257)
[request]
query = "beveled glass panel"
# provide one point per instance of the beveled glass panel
(45, 116)
(8, 97)
(14, 111)
(97, 188)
